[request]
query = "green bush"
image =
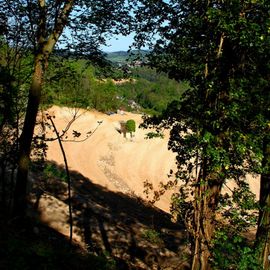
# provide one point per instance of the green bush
(231, 251)
(131, 126)
(51, 170)
(152, 236)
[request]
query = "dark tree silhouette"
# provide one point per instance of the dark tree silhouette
(44, 24)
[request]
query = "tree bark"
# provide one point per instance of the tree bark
(207, 191)
(45, 48)
(206, 202)
(262, 243)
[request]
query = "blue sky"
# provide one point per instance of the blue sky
(118, 43)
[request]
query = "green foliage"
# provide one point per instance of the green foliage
(217, 127)
(75, 83)
(211, 123)
(78, 83)
(14, 80)
(151, 90)
(122, 57)
(152, 236)
(240, 212)
(231, 251)
(104, 96)
(130, 126)
(50, 170)
(151, 135)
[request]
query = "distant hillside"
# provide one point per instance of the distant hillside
(123, 56)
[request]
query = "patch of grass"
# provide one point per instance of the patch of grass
(152, 236)
(51, 170)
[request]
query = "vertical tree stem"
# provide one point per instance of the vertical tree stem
(68, 179)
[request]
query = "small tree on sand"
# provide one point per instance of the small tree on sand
(130, 126)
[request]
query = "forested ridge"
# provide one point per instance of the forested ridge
(204, 82)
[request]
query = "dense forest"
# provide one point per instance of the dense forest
(108, 88)
(205, 79)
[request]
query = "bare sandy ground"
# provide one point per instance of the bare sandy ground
(110, 160)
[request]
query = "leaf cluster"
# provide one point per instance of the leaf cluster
(231, 251)
(220, 48)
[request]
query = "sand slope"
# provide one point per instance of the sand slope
(107, 158)
(110, 160)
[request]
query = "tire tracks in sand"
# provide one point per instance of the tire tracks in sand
(107, 165)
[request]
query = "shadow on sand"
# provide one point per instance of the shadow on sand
(136, 235)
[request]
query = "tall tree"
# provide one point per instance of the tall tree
(217, 46)
(72, 24)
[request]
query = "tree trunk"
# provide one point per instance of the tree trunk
(263, 230)
(207, 192)
(45, 46)
(206, 201)
(20, 193)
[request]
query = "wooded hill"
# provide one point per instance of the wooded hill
(107, 88)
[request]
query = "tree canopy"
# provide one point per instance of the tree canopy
(218, 127)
